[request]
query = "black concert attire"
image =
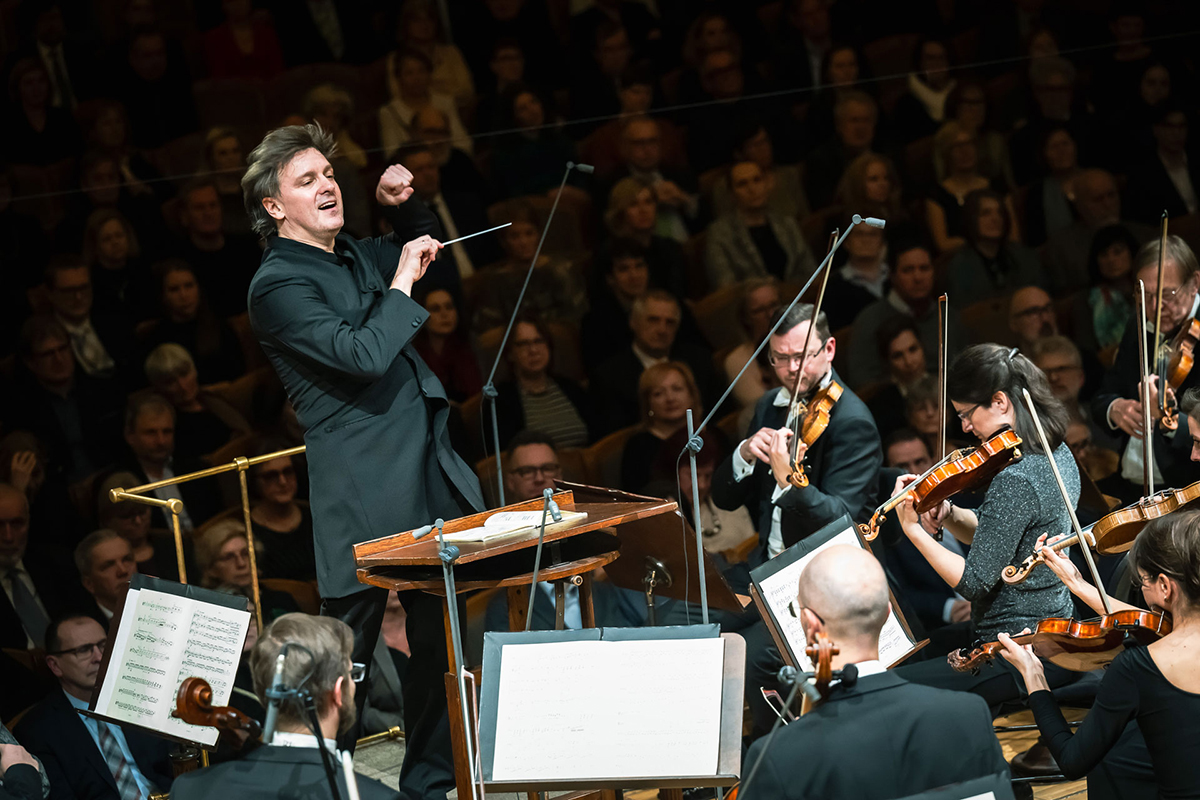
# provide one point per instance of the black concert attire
(379, 454)
(270, 772)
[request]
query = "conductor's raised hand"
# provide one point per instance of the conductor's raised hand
(415, 258)
(395, 186)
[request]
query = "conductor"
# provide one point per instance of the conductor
(336, 318)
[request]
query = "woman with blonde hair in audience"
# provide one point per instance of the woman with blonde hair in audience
(187, 320)
(958, 147)
(870, 186)
(223, 561)
(154, 551)
(785, 195)
(418, 27)
(204, 421)
(967, 105)
(665, 392)
(281, 522)
(632, 213)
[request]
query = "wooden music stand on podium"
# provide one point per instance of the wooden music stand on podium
(644, 526)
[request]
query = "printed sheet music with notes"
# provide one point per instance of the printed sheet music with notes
(168, 632)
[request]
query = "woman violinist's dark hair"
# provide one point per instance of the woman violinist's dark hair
(1170, 546)
(984, 369)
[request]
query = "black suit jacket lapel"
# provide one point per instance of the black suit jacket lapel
(77, 739)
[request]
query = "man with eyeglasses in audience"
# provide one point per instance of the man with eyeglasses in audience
(84, 756)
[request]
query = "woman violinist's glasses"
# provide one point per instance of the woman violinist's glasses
(964, 416)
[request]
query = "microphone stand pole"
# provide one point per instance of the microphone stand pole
(695, 442)
(489, 388)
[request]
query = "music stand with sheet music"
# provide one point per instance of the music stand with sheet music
(773, 587)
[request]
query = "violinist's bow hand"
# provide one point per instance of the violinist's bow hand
(781, 457)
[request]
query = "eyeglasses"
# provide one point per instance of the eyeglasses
(549, 470)
(269, 475)
(795, 608)
(1058, 372)
(779, 359)
(358, 672)
(1037, 311)
(525, 344)
(83, 651)
(964, 416)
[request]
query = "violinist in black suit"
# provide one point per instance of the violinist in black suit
(875, 736)
(336, 318)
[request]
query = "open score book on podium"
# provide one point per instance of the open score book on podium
(579, 710)
(168, 632)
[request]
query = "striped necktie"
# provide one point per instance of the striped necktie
(122, 770)
(33, 618)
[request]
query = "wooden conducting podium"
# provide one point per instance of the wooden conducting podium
(633, 537)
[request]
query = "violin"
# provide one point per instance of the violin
(193, 705)
(960, 471)
(1114, 533)
(821, 654)
(1182, 356)
(1074, 645)
(814, 419)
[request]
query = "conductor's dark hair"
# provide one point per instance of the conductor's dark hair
(1170, 546)
(801, 312)
(266, 161)
(982, 370)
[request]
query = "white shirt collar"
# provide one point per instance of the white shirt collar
(290, 739)
(872, 667)
(647, 359)
(784, 398)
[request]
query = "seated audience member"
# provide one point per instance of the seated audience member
(150, 435)
(225, 164)
(101, 185)
(38, 134)
(281, 522)
(556, 291)
(753, 241)
(1059, 358)
(911, 295)
(1031, 317)
(1054, 103)
(292, 759)
(760, 301)
(459, 213)
(75, 416)
(654, 320)
(153, 550)
(905, 450)
(23, 463)
(1131, 134)
(665, 393)
(418, 27)
(458, 172)
(633, 213)
(623, 277)
(188, 321)
(854, 119)
(861, 280)
(1101, 312)
(445, 347)
(1170, 180)
(102, 344)
(21, 777)
(841, 72)
(990, 264)
(1116, 403)
(204, 421)
(1098, 462)
(604, 148)
(594, 86)
(556, 406)
(1097, 205)
(723, 83)
(785, 191)
(1157, 686)
(921, 410)
(156, 89)
(413, 74)
(83, 756)
(843, 593)
(223, 560)
(506, 62)
(531, 158)
(643, 158)
(531, 466)
(33, 591)
(332, 108)
(946, 214)
(967, 105)
(223, 263)
(899, 346)
(1048, 207)
(105, 563)
(243, 46)
(722, 531)
(108, 134)
(870, 186)
(922, 109)
(120, 279)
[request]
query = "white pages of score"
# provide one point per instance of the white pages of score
(514, 523)
(164, 638)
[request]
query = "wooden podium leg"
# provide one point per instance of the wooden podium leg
(586, 609)
(518, 606)
(462, 767)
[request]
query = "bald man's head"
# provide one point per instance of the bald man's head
(845, 586)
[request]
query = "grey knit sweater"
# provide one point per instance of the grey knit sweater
(1021, 504)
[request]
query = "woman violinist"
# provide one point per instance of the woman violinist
(984, 385)
(1158, 685)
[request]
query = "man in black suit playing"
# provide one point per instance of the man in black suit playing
(878, 736)
(83, 756)
(291, 766)
(336, 318)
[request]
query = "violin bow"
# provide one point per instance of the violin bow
(1066, 498)
(1160, 362)
(943, 356)
(1143, 357)
(812, 324)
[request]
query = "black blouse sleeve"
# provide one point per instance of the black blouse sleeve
(1116, 704)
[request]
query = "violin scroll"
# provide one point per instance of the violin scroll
(193, 705)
